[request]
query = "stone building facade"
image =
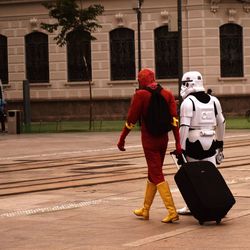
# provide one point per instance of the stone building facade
(216, 42)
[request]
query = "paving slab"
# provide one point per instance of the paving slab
(99, 216)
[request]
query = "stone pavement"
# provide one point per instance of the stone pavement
(99, 216)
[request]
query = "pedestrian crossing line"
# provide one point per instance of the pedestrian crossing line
(97, 150)
(173, 233)
(160, 236)
(66, 206)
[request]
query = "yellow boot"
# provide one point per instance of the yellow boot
(148, 200)
(166, 196)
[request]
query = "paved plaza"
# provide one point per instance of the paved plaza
(77, 191)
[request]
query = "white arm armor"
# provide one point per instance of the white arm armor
(186, 114)
(220, 120)
(183, 136)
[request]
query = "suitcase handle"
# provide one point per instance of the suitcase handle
(175, 161)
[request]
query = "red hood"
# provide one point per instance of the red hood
(146, 77)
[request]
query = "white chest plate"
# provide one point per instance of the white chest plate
(204, 114)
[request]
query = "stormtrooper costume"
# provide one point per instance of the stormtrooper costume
(202, 124)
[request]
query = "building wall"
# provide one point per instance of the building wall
(201, 21)
(202, 45)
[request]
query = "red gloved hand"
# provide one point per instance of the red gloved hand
(121, 142)
(178, 150)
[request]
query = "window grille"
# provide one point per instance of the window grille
(37, 57)
(166, 53)
(231, 50)
(78, 46)
(4, 60)
(122, 54)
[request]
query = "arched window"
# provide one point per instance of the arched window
(4, 60)
(78, 47)
(37, 57)
(122, 54)
(231, 50)
(166, 53)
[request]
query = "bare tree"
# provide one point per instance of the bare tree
(73, 17)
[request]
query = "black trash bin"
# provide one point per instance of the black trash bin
(14, 121)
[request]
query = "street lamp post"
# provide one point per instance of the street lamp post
(138, 12)
(180, 60)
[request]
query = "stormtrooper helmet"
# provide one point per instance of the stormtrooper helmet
(191, 82)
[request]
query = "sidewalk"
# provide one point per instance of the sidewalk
(100, 216)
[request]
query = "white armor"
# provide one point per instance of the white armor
(191, 82)
(203, 122)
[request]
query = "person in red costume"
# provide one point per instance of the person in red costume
(154, 147)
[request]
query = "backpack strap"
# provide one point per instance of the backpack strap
(156, 90)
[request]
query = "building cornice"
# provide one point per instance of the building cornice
(2, 2)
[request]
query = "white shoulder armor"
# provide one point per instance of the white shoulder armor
(220, 120)
(186, 112)
(219, 116)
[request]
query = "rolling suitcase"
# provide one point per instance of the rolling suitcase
(204, 190)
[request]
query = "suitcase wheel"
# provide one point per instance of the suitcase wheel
(218, 221)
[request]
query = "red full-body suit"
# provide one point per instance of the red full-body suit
(154, 146)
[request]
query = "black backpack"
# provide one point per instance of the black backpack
(158, 119)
